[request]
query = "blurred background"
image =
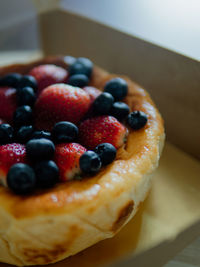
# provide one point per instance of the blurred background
(170, 23)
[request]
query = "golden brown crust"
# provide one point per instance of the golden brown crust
(92, 209)
(123, 215)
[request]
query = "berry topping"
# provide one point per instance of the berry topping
(103, 104)
(6, 134)
(117, 87)
(69, 60)
(1, 121)
(137, 120)
(106, 152)
(48, 74)
(44, 108)
(67, 158)
(78, 80)
(47, 173)
(11, 79)
(120, 110)
(41, 134)
(90, 162)
(38, 149)
(9, 155)
(92, 92)
(64, 132)
(8, 103)
(24, 134)
(21, 179)
(102, 129)
(22, 116)
(26, 96)
(27, 80)
(81, 66)
(60, 102)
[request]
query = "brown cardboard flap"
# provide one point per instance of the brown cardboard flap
(43, 6)
(172, 79)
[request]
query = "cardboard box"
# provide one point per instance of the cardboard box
(169, 219)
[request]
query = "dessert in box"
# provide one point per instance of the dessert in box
(76, 162)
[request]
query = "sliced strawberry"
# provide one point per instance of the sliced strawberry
(92, 92)
(9, 155)
(48, 74)
(2, 121)
(60, 102)
(102, 129)
(67, 159)
(8, 103)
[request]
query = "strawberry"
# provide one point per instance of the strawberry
(9, 155)
(67, 159)
(8, 103)
(48, 74)
(102, 129)
(2, 121)
(60, 102)
(92, 92)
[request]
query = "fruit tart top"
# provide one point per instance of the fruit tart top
(63, 121)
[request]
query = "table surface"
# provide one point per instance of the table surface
(190, 256)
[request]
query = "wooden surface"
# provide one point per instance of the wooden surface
(190, 256)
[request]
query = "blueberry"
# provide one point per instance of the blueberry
(107, 153)
(11, 79)
(120, 110)
(22, 116)
(21, 179)
(137, 119)
(64, 131)
(27, 80)
(26, 96)
(6, 134)
(69, 60)
(78, 80)
(47, 173)
(38, 149)
(24, 134)
(117, 87)
(90, 162)
(103, 103)
(41, 134)
(81, 66)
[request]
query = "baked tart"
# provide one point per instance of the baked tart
(78, 147)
